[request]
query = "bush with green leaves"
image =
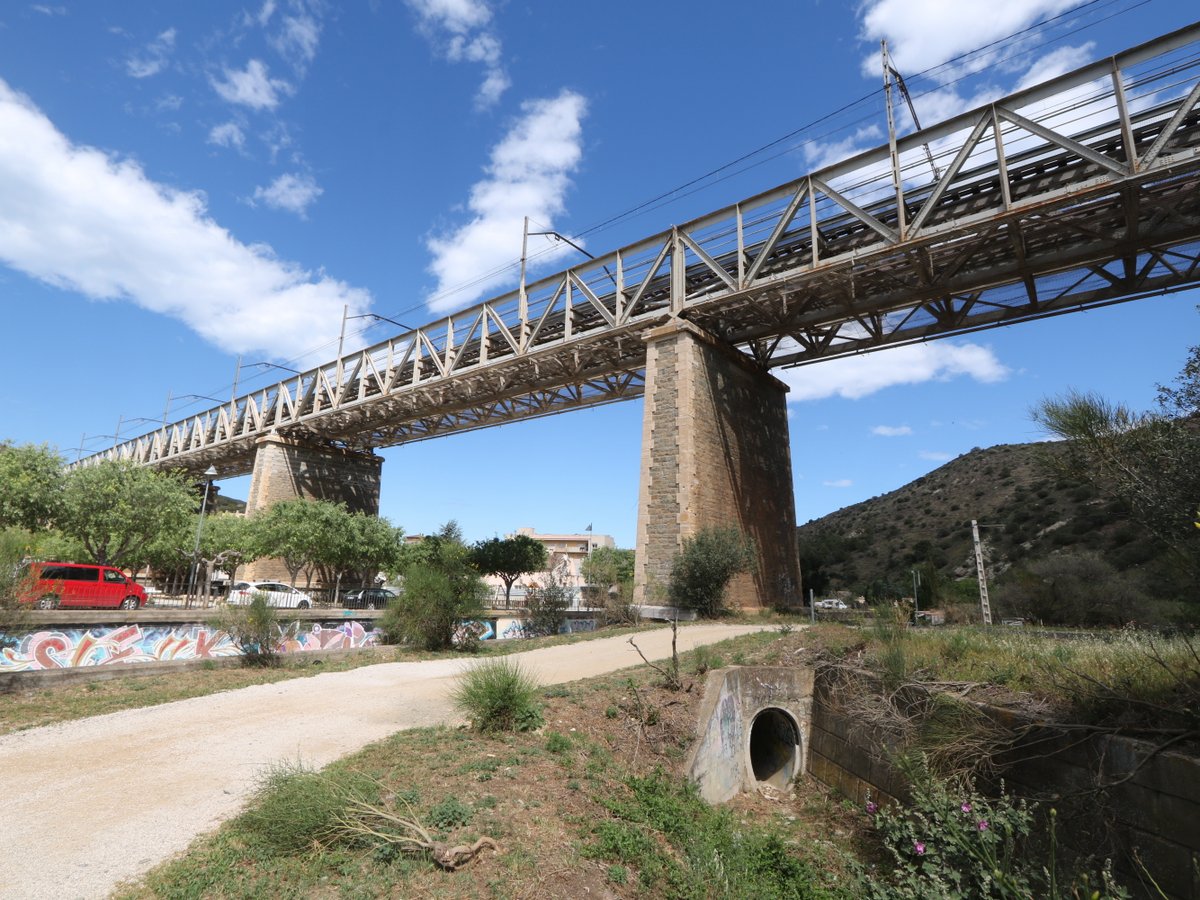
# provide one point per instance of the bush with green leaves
(499, 695)
(442, 589)
(547, 605)
(254, 628)
(608, 572)
(953, 842)
(701, 571)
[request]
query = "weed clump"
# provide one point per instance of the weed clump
(498, 695)
(296, 807)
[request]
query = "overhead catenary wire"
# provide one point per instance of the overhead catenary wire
(762, 155)
(728, 170)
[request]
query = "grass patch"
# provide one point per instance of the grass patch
(61, 703)
(662, 828)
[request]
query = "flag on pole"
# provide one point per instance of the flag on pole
(589, 528)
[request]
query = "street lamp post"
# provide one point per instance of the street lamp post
(209, 474)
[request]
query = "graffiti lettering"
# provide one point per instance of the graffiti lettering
(124, 644)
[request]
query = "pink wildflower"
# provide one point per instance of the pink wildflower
(966, 807)
(872, 807)
(919, 848)
(983, 825)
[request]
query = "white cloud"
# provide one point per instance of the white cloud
(858, 376)
(227, 134)
(891, 430)
(926, 33)
(528, 176)
(82, 220)
(289, 192)
(265, 12)
(461, 31)
(49, 10)
(153, 59)
(839, 483)
(251, 86)
(1056, 63)
(297, 39)
(819, 155)
(935, 456)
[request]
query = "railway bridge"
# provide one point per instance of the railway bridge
(1079, 192)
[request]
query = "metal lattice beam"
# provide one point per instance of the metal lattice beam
(1079, 192)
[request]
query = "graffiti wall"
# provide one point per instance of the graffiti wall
(104, 645)
(506, 628)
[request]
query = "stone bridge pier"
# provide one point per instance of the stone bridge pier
(286, 468)
(715, 453)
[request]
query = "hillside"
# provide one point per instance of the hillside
(1028, 513)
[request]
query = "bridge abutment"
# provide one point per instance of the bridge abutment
(715, 453)
(286, 468)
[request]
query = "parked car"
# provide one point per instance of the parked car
(277, 594)
(369, 598)
(832, 603)
(55, 584)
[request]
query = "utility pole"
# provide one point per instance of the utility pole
(984, 605)
(916, 597)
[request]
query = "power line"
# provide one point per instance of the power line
(730, 169)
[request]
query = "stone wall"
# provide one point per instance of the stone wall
(285, 469)
(715, 452)
(1115, 796)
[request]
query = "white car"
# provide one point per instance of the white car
(277, 594)
(833, 603)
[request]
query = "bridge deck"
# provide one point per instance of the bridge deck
(1079, 192)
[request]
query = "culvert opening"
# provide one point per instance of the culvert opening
(774, 747)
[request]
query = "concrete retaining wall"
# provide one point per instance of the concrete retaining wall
(1151, 804)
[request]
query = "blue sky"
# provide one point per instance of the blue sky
(184, 183)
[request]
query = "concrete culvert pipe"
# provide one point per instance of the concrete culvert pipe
(774, 747)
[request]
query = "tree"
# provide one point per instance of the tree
(30, 485)
(1149, 461)
(363, 546)
(227, 541)
(701, 570)
(509, 559)
(1071, 589)
(819, 551)
(609, 570)
(549, 600)
(116, 508)
(441, 590)
(303, 533)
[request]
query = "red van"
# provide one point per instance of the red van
(55, 584)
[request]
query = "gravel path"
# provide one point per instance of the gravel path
(90, 803)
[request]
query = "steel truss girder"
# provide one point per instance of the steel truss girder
(1076, 192)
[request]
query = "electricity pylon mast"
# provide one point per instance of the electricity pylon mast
(983, 593)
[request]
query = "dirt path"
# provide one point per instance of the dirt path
(93, 802)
